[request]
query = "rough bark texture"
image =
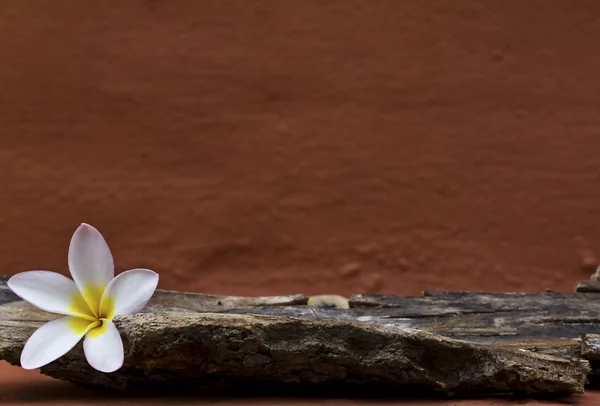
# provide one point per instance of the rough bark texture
(191, 341)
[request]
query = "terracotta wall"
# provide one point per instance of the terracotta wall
(255, 147)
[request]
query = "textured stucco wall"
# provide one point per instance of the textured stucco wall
(253, 147)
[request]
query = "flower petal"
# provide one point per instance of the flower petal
(91, 264)
(128, 292)
(103, 347)
(50, 291)
(53, 340)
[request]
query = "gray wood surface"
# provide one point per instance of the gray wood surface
(452, 342)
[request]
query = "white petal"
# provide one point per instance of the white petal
(91, 263)
(50, 291)
(128, 292)
(53, 340)
(103, 347)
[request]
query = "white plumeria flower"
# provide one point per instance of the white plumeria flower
(88, 302)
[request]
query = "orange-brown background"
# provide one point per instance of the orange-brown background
(255, 147)
(283, 146)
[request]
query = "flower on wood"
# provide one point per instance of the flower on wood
(88, 303)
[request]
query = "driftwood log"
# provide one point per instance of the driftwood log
(450, 342)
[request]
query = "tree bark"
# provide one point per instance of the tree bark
(451, 342)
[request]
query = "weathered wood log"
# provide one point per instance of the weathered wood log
(517, 343)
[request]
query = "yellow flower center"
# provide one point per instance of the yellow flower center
(93, 309)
